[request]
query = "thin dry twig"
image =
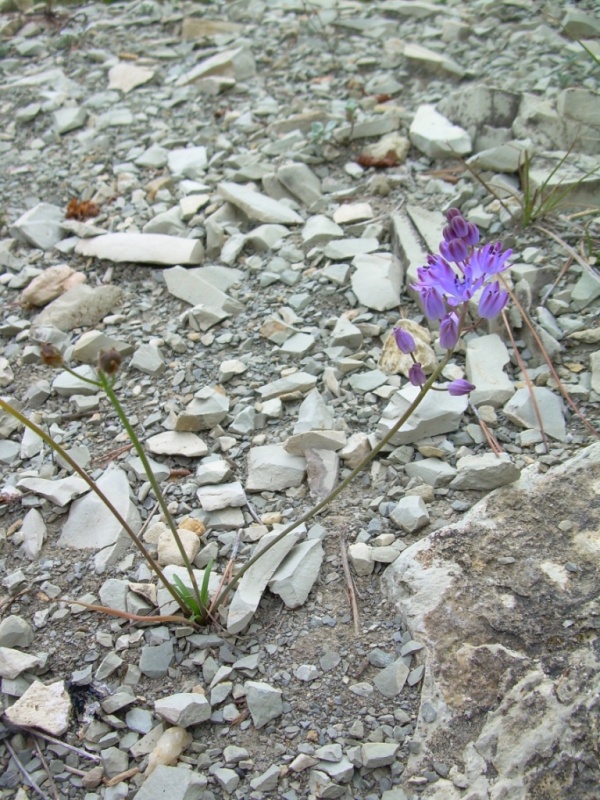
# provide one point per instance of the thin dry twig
(122, 776)
(46, 767)
(493, 443)
(559, 383)
(28, 779)
(118, 451)
(350, 586)
(534, 402)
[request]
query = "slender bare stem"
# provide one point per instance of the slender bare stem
(99, 493)
(340, 488)
(107, 386)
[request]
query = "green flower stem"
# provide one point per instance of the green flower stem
(100, 494)
(110, 392)
(340, 488)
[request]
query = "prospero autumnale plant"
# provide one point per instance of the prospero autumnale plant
(461, 277)
(192, 602)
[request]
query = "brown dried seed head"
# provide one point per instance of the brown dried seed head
(109, 361)
(50, 355)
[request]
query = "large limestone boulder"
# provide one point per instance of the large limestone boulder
(506, 606)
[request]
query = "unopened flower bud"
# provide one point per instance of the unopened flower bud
(404, 340)
(109, 361)
(416, 375)
(51, 355)
(459, 387)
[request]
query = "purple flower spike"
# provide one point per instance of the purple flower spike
(459, 226)
(416, 375)
(454, 250)
(452, 212)
(449, 331)
(472, 235)
(433, 302)
(406, 343)
(459, 387)
(492, 301)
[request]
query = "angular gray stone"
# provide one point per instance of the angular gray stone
(253, 583)
(300, 181)
(438, 413)
(521, 411)
(361, 558)
(196, 288)
(143, 248)
(208, 408)
(188, 162)
(65, 120)
(224, 495)
(432, 471)
(344, 249)
(149, 360)
(319, 230)
(314, 414)
(271, 468)
(257, 206)
(33, 532)
(297, 382)
(183, 709)
(484, 472)
(264, 702)
(378, 754)
(14, 662)
(410, 514)
(15, 632)
(60, 492)
(163, 782)
(40, 226)
(155, 660)
(390, 680)
(296, 574)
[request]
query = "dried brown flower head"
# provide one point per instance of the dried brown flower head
(51, 355)
(109, 361)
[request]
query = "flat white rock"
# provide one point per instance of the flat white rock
(486, 358)
(45, 707)
(91, 525)
(143, 248)
(175, 443)
(436, 136)
(377, 280)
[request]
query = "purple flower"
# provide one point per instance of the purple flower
(454, 250)
(459, 387)
(472, 235)
(433, 302)
(416, 375)
(459, 226)
(451, 277)
(492, 300)
(452, 212)
(404, 340)
(449, 330)
(489, 260)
